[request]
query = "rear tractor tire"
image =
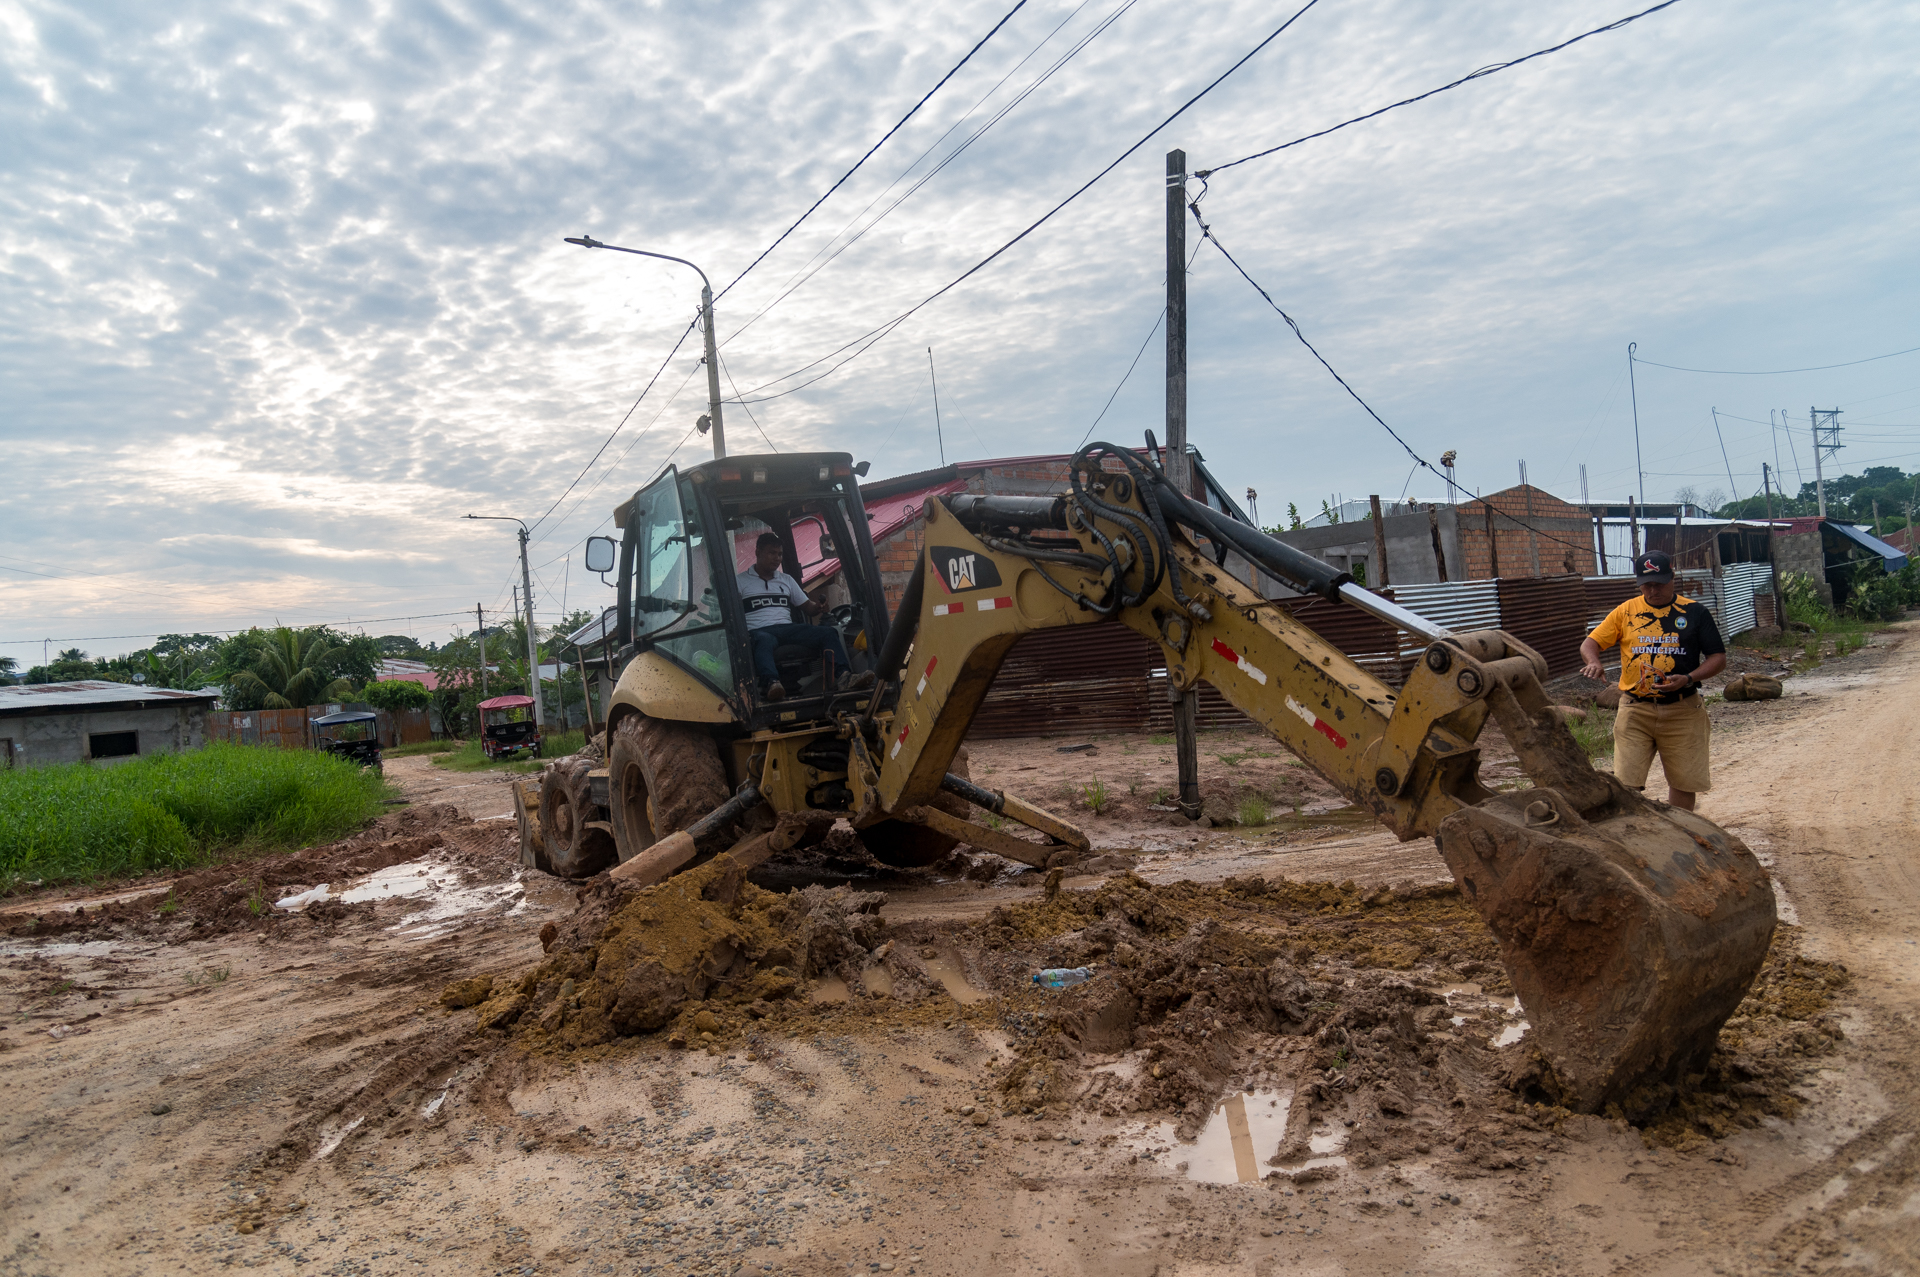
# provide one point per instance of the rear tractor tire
(661, 778)
(566, 806)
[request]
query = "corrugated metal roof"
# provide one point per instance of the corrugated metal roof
(42, 698)
(1895, 560)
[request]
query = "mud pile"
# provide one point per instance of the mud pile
(700, 955)
(239, 895)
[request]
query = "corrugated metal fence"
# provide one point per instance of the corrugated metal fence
(287, 728)
(1108, 678)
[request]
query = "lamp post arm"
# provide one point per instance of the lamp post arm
(706, 318)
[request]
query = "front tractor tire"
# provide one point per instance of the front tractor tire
(661, 777)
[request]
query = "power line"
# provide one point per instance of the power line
(801, 277)
(1206, 232)
(736, 390)
(1021, 4)
(1465, 79)
(625, 417)
(1776, 372)
(867, 340)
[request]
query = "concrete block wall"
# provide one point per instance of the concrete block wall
(41, 740)
(1802, 552)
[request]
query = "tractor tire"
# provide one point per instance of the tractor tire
(901, 845)
(661, 777)
(574, 849)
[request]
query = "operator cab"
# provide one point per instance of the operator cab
(690, 533)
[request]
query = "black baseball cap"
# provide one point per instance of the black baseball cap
(1653, 566)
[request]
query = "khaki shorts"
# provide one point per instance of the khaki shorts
(1678, 732)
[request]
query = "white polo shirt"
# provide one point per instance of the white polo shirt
(769, 602)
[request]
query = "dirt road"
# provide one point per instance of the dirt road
(289, 1094)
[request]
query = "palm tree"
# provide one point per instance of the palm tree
(8, 668)
(290, 672)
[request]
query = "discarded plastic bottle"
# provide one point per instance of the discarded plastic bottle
(1063, 977)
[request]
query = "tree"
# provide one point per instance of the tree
(9, 667)
(290, 669)
(395, 694)
(69, 665)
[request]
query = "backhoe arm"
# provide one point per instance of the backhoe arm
(1631, 930)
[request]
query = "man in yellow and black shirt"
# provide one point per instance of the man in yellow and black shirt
(1668, 646)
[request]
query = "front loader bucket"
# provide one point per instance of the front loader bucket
(1630, 937)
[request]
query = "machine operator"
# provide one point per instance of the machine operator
(770, 597)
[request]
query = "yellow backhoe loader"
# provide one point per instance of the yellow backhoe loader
(1630, 929)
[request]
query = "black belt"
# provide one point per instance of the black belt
(1692, 689)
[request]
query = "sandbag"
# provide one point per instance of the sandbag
(1753, 687)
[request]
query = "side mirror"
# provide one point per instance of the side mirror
(862, 468)
(602, 553)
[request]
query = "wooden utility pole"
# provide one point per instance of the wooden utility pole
(1379, 546)
(1633, 532)
(1493, 543)
(1773, 555)
(1600, 540)
(480, 619)
(1186, 704)
(1433, 529)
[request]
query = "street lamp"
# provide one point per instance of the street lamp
(706, 316)
(526, 597)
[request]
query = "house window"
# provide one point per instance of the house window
(112, 744)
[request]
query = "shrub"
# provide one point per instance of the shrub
(79, 821)
(396, 694)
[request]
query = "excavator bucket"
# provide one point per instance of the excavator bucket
(1630, 934)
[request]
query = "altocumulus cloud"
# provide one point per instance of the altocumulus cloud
(285, 292)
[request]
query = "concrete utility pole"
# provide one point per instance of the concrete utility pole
(1186, 704)
(706, 318)
(1379, 544)
(526, 599)
(1634, 387)
(480, 620)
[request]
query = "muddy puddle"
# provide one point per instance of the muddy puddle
(445, 892)
(1242, 1132)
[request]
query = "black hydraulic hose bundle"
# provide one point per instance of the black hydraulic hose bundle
(1148, 534)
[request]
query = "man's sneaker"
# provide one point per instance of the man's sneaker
(776, 692)
(851, 682)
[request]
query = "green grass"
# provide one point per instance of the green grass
(80, 821)
(469, 757)
(1095, 796)
(421, 747)
(1254, 810)
(1594, 733)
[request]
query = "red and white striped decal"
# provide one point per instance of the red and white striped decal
(948, 609)
(1312, 720)
(988, 605)
(924, 676)
(1247, 667)
(895, 751)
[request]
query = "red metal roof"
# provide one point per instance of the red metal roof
(884, 517)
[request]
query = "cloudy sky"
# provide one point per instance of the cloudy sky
(286, 293)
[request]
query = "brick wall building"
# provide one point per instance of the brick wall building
(1524, 531)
